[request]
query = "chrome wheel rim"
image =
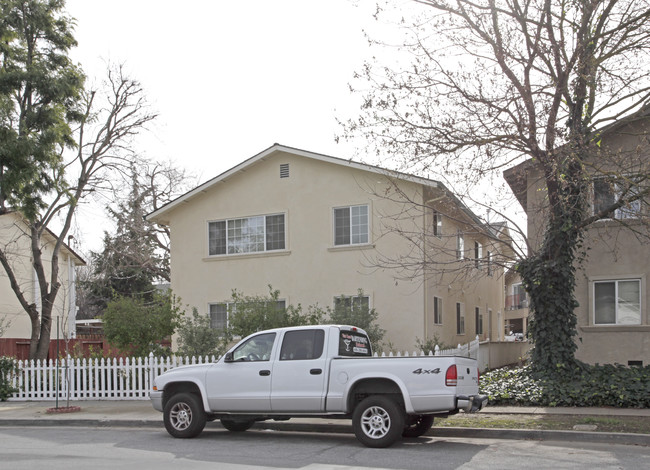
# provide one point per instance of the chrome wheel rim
(181, 416)
(375, 422)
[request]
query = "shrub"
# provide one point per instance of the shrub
(197, 338)
(8, 368)
(600, 385)
(429, 345)
(355, 311)
(250, 313)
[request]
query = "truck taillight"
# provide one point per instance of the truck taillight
(451, 377)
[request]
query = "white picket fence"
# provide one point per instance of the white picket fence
(126, 378)
(93, 379)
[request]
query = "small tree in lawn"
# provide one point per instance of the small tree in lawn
(137, 326)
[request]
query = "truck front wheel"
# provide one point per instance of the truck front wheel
(378, 421)
(184, 416)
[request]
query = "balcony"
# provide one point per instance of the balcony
(516, 302)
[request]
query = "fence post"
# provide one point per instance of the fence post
(152, 375)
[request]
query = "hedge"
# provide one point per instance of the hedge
(600, 385)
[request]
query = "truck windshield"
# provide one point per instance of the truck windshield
(353, 343)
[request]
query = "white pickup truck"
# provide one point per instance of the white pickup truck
(321, 372)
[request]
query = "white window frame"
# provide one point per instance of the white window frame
(617, 305)
(360, 238)
(233, 248)
(210, 313)
(631, 212)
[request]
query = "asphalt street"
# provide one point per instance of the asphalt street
(140, 413)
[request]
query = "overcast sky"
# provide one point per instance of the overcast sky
(230, 78)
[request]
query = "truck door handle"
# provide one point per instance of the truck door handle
(265, 372)
(316, 371)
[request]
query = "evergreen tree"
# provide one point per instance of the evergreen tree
(40, 89)
(130, 263)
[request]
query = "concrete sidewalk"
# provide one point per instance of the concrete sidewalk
(140, 413)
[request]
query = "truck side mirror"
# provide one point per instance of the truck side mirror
(228, 357)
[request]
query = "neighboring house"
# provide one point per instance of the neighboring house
(612, 282)
(317, 227)
(15, 242)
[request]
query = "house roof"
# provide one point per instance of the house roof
(65, 248)
(517, 177)
(158, 216)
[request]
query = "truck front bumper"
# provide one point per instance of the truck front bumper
(156, 399)
(471, 404)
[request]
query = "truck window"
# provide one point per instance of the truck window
(257, 348)
(353, 343)
(302, 344)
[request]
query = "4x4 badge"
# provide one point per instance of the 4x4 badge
(426, 371)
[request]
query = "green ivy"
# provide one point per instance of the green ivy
(599, 385)
(8, 368)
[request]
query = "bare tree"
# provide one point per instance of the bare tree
(110, 118)
(492, 83)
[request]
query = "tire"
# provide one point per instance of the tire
(378, 421)
(236, 425)
(417, 425)
(184, 416)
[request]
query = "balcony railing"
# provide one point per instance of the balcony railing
(516, 302)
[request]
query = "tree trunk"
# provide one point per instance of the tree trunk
(549, 278)
(549, 275)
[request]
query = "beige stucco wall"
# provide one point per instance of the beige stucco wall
(613, 252)
(16, 244)
(312, 270)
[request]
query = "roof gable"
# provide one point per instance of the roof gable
(159, 215)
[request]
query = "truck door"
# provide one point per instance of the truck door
(245, 384)
(300, 374)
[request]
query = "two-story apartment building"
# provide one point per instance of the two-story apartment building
(612, 282)
(317, 227)
(16, 244)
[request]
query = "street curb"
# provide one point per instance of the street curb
(287, 426)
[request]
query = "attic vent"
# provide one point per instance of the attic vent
(284, 170)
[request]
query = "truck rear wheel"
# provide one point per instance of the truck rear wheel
(417, 425)
(378, 421)
(184, 416)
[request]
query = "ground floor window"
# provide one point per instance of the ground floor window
(220, 313)
(617, 302)
(354, 302)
